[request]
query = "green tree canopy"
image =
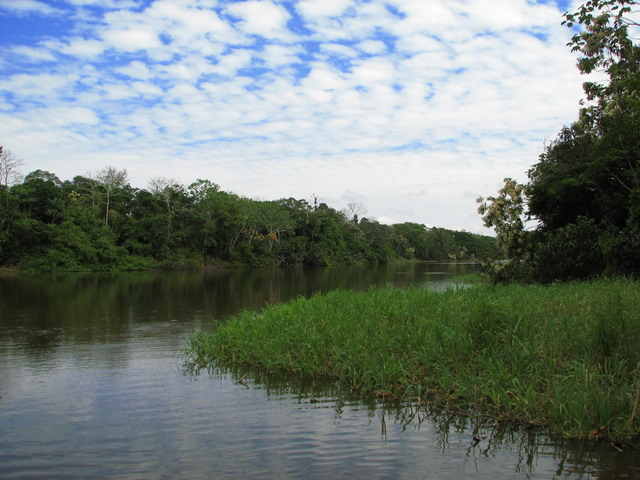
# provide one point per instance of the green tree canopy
(585, 188)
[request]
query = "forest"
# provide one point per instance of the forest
(100, 222)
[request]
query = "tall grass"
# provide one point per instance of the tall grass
(563, 356)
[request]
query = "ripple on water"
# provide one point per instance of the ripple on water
(94, 396)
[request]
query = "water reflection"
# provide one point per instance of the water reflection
(502, 450)
(91, 386)
(47, 311)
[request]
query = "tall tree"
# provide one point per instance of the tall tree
(172, 195)
(9, 168)
(111, 179)
(585, 189)
(9, 175)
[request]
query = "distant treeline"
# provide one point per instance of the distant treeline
(100, 222)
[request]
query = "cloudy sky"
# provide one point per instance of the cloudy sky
(412, 107)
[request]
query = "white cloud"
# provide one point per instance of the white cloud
(185, 22)
(261, 17)
(339, 49)
(136, 69)
(324, 77)
(183, 71)
(121, 4)
(373, 47)
(64, 117)
(433, 16)
(357, 22)
(37, 86)
(146, 88)
(279, 55)
(497, 15)
(118, 92)
(23, 7)
(34, 54)
(84, 48)
(132, 40)
(322, 8)
(417, 113)
(229, 63)
(420, 43)
(372, 71)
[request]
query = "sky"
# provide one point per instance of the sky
(411, 108)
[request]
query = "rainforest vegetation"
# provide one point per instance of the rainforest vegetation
(100, 222)
(583, 195)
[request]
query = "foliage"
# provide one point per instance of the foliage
(104, 223)
(564, 356)
(111, 181)
(584, 190)
(505, 213)
(605, 41)
(570, 252)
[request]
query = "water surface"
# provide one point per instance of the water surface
(92, 386)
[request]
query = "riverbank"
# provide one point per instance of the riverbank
(565, 356)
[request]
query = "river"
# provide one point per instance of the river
(92, 386)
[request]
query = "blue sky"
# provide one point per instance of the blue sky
(412, 107)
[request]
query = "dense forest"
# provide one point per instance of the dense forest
(583, 195)
(100, 222)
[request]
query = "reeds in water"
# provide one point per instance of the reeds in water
(564, 356)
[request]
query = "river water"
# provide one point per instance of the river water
(92, 386)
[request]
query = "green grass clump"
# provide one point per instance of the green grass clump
(563, 356)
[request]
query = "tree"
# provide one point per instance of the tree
(9, 175)
(166, 189)
(111, 180)
(506, 214)
(585, 188)
(34, 209)
(9, 168)
(143, 232)
(40, 197)
(606, 45)
(275, 220)
(559, 192)
(79, 241)
(379, 240)
(206, 214)
(604, 41)
(416, 238)
(355, 211)
(172, 195)
(89, 190)
(325, 243)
